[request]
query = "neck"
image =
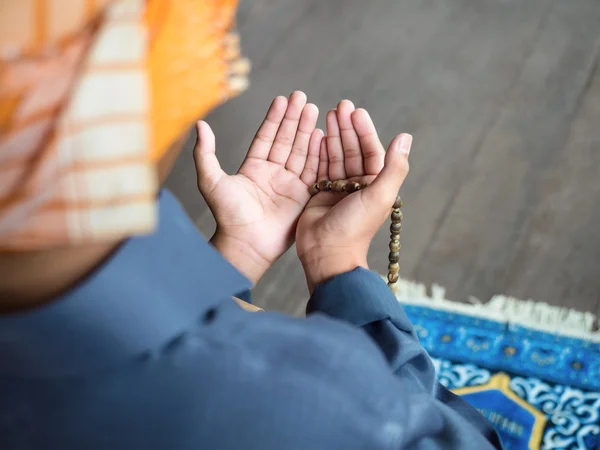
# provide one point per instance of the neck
(30, 279)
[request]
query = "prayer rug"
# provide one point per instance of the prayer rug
(532, 369)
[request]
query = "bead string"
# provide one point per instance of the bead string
(395, 227)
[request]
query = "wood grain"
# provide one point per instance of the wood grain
(502, 99)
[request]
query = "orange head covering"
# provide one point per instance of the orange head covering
(92, 94)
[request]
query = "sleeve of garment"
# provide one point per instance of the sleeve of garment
(363, 299)
(260, 381)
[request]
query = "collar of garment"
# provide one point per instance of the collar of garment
(150, 290)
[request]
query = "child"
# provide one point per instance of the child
(138, 344)
(117, 324)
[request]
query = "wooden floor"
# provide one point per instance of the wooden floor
(503, 99)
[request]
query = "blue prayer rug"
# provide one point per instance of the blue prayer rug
(532, 369)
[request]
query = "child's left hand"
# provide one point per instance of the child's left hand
(257, 209)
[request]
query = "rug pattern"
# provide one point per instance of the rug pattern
(572, 416)
(541, 390)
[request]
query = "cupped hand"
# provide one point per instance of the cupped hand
(335, 230)
(257, 209)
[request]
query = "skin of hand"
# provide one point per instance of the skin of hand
(335, 230)
(257, 209)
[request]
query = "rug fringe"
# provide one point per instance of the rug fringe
(527, 313)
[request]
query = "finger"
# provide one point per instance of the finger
(372, 151)
(384, 189)
(265, 136)
(308, 122)
(282, 146)
(311, 167)
(208, 169)
(323, 172)
(335, 151)
(353, 158)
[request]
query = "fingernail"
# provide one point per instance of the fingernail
(405, 143)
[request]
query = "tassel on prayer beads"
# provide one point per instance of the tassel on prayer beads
(395, 227)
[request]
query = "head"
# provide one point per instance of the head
(89, 131)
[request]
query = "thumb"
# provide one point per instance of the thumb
(208, 169)
(384, 189)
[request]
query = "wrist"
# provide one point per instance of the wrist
(241, 255)
(322, 267)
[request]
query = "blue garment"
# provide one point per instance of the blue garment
(151, 352)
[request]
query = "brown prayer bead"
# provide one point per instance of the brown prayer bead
(394, 245)
(353, 186)
(314, 189)
(325, 185)
(338, 185)
(397, 203)
(396, 216)
(394, 267)
(394, 255)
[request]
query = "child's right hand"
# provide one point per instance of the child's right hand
(335, 230)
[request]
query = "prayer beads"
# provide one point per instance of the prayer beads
(395, 226)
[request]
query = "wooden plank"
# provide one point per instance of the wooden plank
(558, 255)
(448, 98)
(481, 245)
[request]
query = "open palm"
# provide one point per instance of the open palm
(257, 209)
(351, 151)
(335, 230)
